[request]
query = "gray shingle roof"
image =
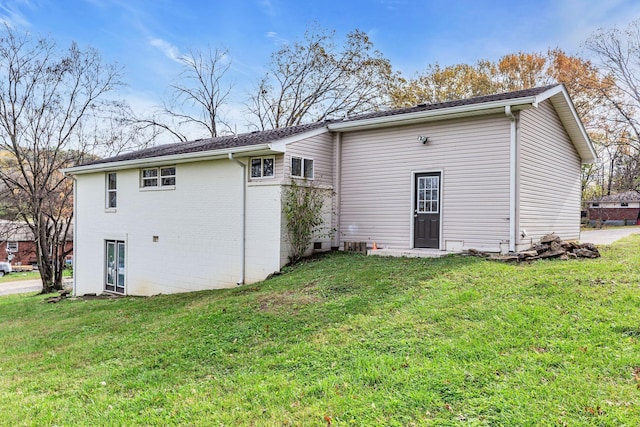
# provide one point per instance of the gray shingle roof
(268, 136)
(628, 196)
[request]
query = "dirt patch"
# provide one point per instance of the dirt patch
(289, 300)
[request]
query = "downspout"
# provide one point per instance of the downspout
(75, 233)
(244, 218)
(338, 187)
(513, 158)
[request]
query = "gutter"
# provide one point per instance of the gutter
(244, 218)
(437, 114)
(513, 158)
(163, 160)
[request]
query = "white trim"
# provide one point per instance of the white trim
(150, 162)
(281, 145)
(413, 207)
(420, 116)
(262, 159)
(303, 160)
(513, 173)
(278, 146)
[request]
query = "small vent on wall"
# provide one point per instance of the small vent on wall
(155, 239)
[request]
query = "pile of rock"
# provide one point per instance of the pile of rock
(550, 246)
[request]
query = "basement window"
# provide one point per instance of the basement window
(301, 167)
(263, 167)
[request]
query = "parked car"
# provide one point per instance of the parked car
(5, 268)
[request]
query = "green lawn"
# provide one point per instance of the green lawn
(19, 275)
(341, 340)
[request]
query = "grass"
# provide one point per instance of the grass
(338, 341)
(27, 275)
(17, 276)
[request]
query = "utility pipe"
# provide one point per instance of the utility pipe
(513, 159)
(244, 217)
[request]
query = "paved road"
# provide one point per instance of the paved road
(25, 286)
(607, 236)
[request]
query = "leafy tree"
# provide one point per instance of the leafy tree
(53, 114)
(303, 209)
(315, 78)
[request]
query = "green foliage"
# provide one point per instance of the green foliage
(302, 206)
(362, 341)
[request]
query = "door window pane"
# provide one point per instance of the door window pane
(428, 194)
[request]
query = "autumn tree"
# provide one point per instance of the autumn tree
(53, 114)
(315, 78)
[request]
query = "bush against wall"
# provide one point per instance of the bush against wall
(303, 209)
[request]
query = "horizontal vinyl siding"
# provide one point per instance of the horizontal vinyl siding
(377, 165)
(549, 186)
(320, 149)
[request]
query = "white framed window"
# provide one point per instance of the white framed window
(12, 246)
(263, 167)
(112, 190)
(164, 176)
(301, 167)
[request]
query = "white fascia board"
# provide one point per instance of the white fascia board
(572, 123)
(173, 159)
(438, 114)
(281, 145)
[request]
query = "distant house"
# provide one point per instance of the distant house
(18, 246)
(616, 209)
(491, 173)
(16, 243)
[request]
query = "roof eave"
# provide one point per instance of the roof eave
(559, 97)
(171, 159)
(437, 114)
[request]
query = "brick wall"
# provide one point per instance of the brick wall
(26, 254)
(618, 214)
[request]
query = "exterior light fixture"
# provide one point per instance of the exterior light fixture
(422, 138)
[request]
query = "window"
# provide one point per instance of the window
(112, 186)
(595, 205)
(115, 266)
(428, 189)
(12, 246)
(301, 167)
(158, 177)
(262, 167)
(624, 204)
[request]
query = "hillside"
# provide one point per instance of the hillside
(341, 340)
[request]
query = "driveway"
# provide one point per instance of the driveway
(608, 235)
(25, 286)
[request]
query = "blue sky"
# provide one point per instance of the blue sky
(146, 36)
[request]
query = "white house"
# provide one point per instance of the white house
(491, 173)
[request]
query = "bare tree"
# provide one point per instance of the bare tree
(198, 98)
(53, 110)
(315, 79)
(619, 55)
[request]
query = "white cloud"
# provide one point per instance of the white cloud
(11, 15)
(277, 40)
(167, 48)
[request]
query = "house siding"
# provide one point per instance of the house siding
(198, 225)
(321, 149)
(549, 178)
(376, 200)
